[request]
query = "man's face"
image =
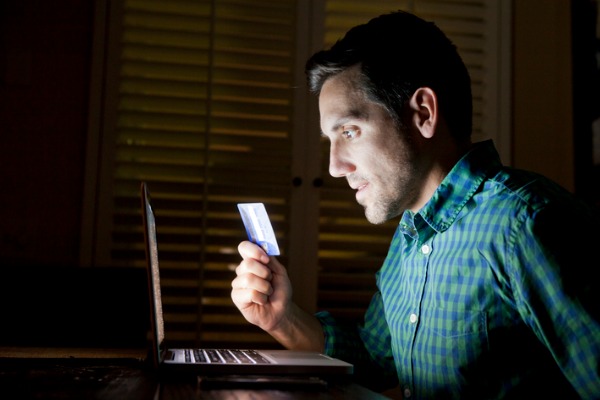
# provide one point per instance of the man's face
(366, 148)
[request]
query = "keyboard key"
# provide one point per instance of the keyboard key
(213, 356)
(228, 357)
(257, 358)
(241, 356)
(199, 356)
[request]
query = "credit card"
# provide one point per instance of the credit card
(258, 227)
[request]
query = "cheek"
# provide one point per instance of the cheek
(391, 166)
(387, 156)
(382, 168)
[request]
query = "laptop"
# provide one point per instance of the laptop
(207, 361)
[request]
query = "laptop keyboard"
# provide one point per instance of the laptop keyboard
(224, 356)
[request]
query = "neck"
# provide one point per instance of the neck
(441, 153)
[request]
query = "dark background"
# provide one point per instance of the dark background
(45, 298)
(45, 53)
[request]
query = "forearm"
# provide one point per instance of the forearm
(299, 331)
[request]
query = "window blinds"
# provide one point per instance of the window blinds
(203, 110)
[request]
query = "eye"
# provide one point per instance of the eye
(350, 131)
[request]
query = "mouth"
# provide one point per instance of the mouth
(359, 189)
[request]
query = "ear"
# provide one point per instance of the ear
(425, 113)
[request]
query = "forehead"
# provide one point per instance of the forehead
(342, 97)
(346, 84)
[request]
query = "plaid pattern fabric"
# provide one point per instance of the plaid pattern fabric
(486, 292)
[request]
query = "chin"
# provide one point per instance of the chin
(375, 217)
(379, 213)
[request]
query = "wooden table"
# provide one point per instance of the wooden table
(57, 375)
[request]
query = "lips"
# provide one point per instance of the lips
(357, 186)
(359, 189)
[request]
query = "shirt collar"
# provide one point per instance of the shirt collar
(457, 188)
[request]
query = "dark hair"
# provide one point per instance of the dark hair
(399, 53)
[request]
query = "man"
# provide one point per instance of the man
(487, 289)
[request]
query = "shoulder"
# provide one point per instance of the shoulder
(541, 217)
(531, 193)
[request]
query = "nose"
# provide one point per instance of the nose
(339, 163)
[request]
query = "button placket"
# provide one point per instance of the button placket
(413, 318)
(425, 249)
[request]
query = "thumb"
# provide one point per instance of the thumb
(276, 267)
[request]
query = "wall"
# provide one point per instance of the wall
(44, 75)
(542, 113)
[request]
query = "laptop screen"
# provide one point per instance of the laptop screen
(157, 323)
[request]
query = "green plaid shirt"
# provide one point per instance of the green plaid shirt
(489, 291)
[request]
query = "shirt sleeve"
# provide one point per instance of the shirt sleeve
(557, 294)
(367, 346)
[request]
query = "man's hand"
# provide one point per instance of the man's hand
(261, 290)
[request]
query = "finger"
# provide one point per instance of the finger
(253, 267)
(248, 250)
(252, 282)
(244, 297)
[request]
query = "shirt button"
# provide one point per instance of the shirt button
(407, 393)
(413, 318)
(425, 249)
